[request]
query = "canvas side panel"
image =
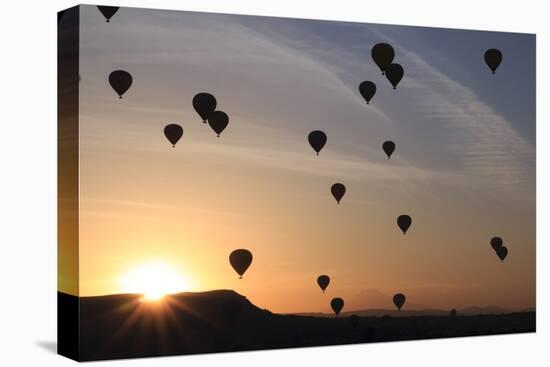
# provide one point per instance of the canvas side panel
(67, 178)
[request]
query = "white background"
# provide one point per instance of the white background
(28, 183)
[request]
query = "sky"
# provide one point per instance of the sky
(464, 167)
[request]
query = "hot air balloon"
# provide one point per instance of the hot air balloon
(394, 73)
(108, 11)
(323, 281)
(120, 81)
(240, 260)
(218, 121)
(399, 300)
(493, 58)
(337, 304)
(367, 90)
(338, 190)
(354, 321)
(383, 55)
(496, 242)
(317, 139)
(173, 133)
(404, 222)
(388, 147)
(502, 252)
(204, 104)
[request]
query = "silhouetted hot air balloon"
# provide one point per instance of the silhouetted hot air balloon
(502, 252)
(383, 55)
(389, 148)
(317, 139)
(323, 281)
(120, 81)
(218, 121)
(337, 304)
(404, 222)
(240, 260)
(354, 321)
(108, 11)
(394, 73)
(496, 242)
(338, 190)
(173, 133)
(204, 104)
(399, 300)
(493, 58)
(367, 90)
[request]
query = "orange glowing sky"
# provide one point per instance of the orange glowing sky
(463, 168)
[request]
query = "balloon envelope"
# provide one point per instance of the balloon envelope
(204, 104)
(108, 11)
(120, 81)
(502, 252)
(317, 139)
(367, 90)
(399, 300)
(337, 304)
(496, 242)
(323, 281)
(404, 222)
(218, 121)
(338, 190)
(394, 73)
(240, 260)
(383, 55)
(493, 58)
(389, 148)
(173, 133)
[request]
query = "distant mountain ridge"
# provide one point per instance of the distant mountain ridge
(380, 312)
(225, 294)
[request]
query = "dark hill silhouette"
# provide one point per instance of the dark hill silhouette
(122, 326)
(380, 312)
(487, 310)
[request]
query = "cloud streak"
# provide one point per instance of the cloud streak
(480, 144)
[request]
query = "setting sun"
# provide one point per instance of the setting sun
(154, 281)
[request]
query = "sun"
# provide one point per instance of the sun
(153, 281)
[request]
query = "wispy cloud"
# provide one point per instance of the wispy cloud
(480, 144)
(300, 80)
